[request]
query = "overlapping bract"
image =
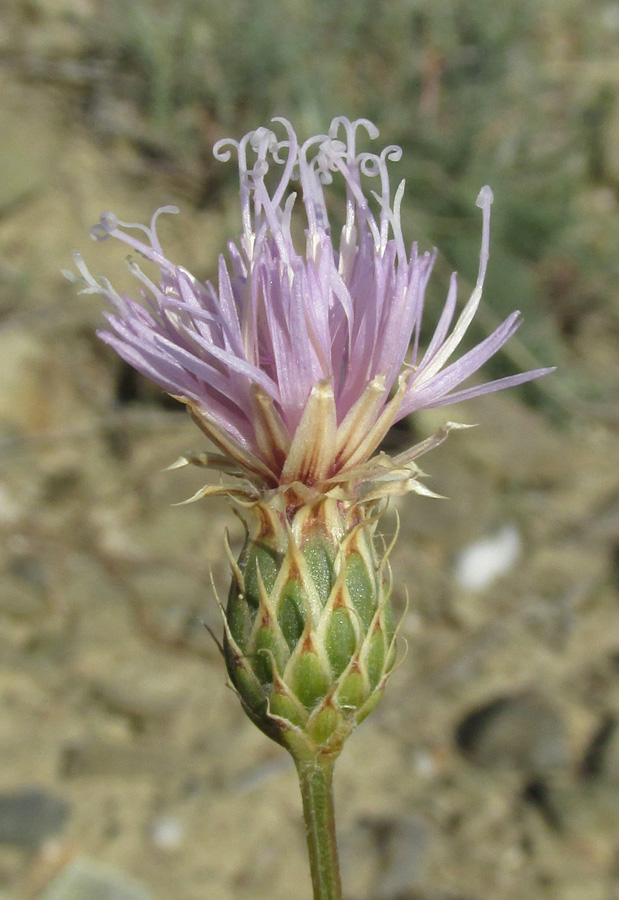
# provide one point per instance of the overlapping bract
(298, 363)
(309, 632)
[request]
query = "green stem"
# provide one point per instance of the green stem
(316, 781)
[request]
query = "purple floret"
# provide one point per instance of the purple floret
(294, 349)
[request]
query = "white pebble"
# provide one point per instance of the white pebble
(482, 562)
(167, 833)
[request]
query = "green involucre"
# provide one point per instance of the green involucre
(309, 633)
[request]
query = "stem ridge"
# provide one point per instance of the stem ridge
(316, 782)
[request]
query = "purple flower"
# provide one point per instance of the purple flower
(297, 364)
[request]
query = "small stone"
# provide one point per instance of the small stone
(86, 879)
(167, 833)
(10, 507)
(602, 758)
(522, 732)
(483, 561)
(112, 759)
(23, 595)
(145, 696)
(406, 848)
(588, 812)
(38, 385)
(29, 816)
(24, 369)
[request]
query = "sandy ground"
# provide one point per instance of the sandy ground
(491, 767)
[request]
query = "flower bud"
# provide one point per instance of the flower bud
(310, 638)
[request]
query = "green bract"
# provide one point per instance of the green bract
(310, 638)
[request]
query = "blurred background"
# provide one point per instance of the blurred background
(491, 768)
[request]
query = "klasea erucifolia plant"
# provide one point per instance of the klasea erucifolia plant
(295, 366)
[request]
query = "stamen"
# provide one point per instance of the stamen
(173, 210)
(106, 225)
(396, 222)
(329, 153)
(91, 284)
(372, 165)
(223, 154)
(263, 199)
(287, 213)
(484, 201)
(289, 165)
(351, 131)
(139, 274)
(313, 197)
(361, 207)
(262, 141)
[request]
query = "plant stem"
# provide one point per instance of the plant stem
(316, 781)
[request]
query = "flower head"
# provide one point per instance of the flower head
(298, 363)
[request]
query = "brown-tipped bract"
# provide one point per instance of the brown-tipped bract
(310, 637)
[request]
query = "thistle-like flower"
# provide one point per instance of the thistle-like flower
(295, 367)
